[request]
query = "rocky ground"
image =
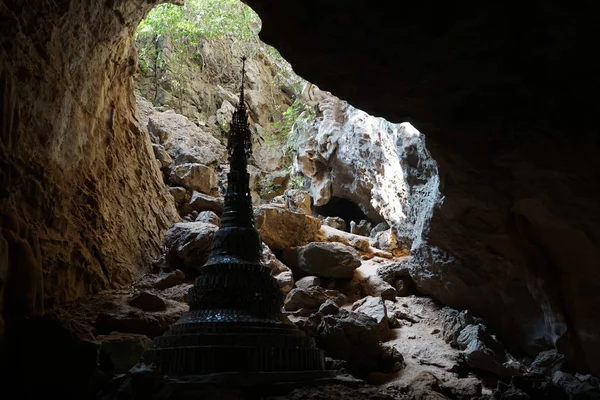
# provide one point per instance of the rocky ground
(352, 291)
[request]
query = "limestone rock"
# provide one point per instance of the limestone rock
(454, 322)
(353, 337)
(122, 350)
(208, 217)
(285, 280)
(547, 362)
(327, 260)
(188, 244)
(193, 177)
(308, 281)
(178, 293)
(162, 156)
(335, 222)
(180, 136)
(280, 228)
(483, 351)
(179, 194)
(147, 301)
(203, 202)
(173, 278)
(329, 307)
(310, 298)
(331, 234)
(268, 259)
(375, 308)
(363, 228)
(298, 201)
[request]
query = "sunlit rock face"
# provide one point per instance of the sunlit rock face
(503, 95)
(382, 167)
(82, 204)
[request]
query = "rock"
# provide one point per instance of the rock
(298, 201)
(137, 321)
(336, 223)
(285, 280)
(208, 217)
(393, 270)
(390, 359)
(197, 177)
(425, 386)
(576, 388)
(178, 293)
(330, 234)
(310, 298)
(224, 114)
(204, 202)
(308, 281)
(179, 194)
(483, 351)
(387, 241)
(268, 259)
(164, 159)
(121, 351)
(547, 362)
(147, 301)
(463, 388)
(329, 307)
(380, 227)
(375, 308)
(404, 287)
(454, 322)
(363, 228)
(327, 260)
(188, 244)
(184, 140)
(280, 228)
(353, 337)
(173, 278)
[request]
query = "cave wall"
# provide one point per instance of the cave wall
(82, 204)
(504, 95)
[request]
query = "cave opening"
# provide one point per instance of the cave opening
(346, 209)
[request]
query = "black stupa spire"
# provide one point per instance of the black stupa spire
(235, 323)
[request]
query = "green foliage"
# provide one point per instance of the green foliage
(268, 187)
(169, 38)
(296, 182)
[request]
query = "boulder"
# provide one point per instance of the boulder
(336, 223)
(203, 202)
(298, 201)
(188, 244)
(483, 351)
(363, 228)
(208, 217)
(178, 293)
(164, 159)
(308, 281)
(268, 259)
(121, 351)
(353, 337)
(180, 136)
(281, 228)
(193, 176)
(329, 307)
(310, 298)
(326, 260)
(180, 195)
(147, 301)
(547, 362)
(285, 280)
(454, 322)
(375, 308)
(173, 278)
(329, 234)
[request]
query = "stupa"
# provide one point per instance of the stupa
(235, 323)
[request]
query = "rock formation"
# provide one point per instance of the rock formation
(502, 94)
(82, 204)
